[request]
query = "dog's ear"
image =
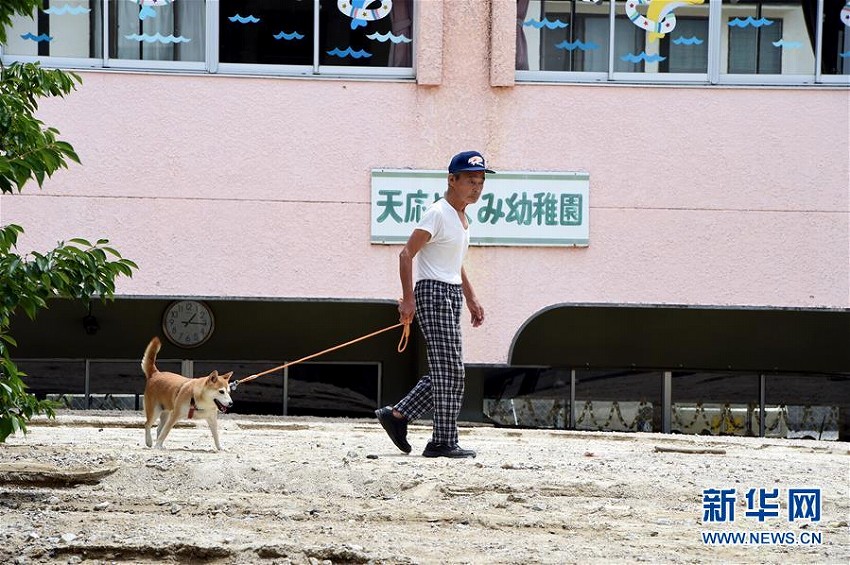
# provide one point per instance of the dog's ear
(226, 376)
(213, 376)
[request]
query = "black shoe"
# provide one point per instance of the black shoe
(443, 450)
(396, 428)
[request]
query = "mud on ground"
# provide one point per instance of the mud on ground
(299, 490)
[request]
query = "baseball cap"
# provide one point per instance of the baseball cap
(468, 161)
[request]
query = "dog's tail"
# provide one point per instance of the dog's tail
(149, 360)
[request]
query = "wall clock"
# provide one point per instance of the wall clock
(188, 323)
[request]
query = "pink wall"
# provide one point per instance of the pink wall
(259, 187)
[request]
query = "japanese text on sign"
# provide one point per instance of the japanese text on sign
(514, 209)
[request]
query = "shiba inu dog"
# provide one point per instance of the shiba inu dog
(172, 397)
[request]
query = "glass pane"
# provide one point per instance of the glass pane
(269, 32)
(715, 403)
(263, 395)
(562, 35)
(120, 385)
(53, 376)
(688, 51)
(768, 37)
(60, 29)
(122, 377)
(333, 389)
(808, 406)
(157, 30)
(366, 33)
(527, 397)
(618, 400)
(835, 56)
(661, 37)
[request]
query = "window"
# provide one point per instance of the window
(70, 30)
(750, 48)
(341, 34)
(662, 42)
(709, 403)
(807, 406)
(687, 53)
(618, 399)
(692, 41)
(835, 55)
(305, 37)
(769, 37)
(156, 30)
(525, 396)
(316, 389)
(266, 41)
(562, 36)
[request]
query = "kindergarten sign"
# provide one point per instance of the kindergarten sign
(516, 208)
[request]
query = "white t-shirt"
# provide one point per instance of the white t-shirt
(442, 257)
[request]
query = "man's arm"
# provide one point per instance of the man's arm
(407, 304)
(472, 303)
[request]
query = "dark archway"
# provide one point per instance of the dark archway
(675, 337)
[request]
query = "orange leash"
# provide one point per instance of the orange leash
(402, 345)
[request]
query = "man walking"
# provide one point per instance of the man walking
(433, 260)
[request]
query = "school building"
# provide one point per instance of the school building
(665, 245)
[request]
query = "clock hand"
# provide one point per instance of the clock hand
(189, 321)
(195, 323)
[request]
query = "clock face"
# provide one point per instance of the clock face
(188, 323)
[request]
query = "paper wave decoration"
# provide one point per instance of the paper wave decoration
(577, 44)
(288, 36)
(67, 9)
(750, 21)
(643, 56)
(146, 7)
(244, 19)
(389, 37)
(693, 40)
(356, 10)
(545, 22)
(37, 38)
(148, 38)
(782, 44)
(660, 19)
(348, 52)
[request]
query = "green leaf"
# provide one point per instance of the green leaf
(29, 308)
(9, 339)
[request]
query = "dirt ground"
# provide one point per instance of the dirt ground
(298, 490)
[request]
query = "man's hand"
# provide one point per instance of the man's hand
(406, 310)
(477, 312)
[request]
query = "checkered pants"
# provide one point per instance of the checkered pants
(438, 309)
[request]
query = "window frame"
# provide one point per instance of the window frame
(713, 76)
(211, 64)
